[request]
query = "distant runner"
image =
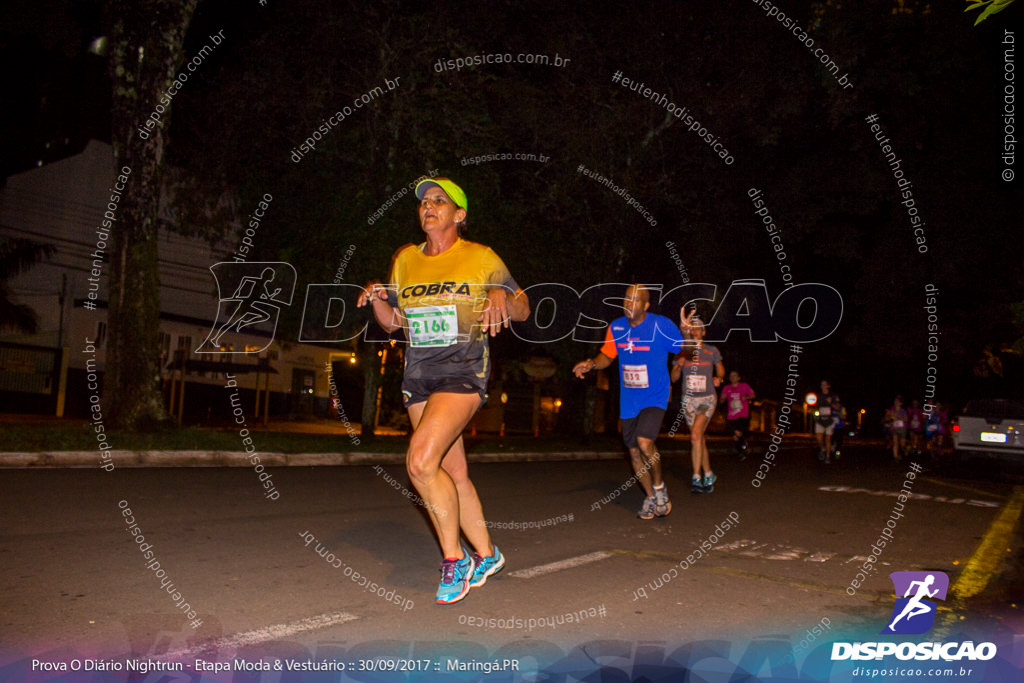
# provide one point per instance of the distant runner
(824, 423)
(839, 413)
(702, 366)
(736, 396)
(915, 423)
(643, 343)
(935, 429)
(896, 421)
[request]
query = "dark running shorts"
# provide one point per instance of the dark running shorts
(419, 390)
(740, 424)
(646, 424)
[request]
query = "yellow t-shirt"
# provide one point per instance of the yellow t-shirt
(441, 298)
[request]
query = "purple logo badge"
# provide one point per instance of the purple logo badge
(914, 613)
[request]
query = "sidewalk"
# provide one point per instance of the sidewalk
(717, 445)
(520, 448)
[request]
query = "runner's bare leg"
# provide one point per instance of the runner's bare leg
(698, 448)
(438, 422)
(471, 510)
(651, 463)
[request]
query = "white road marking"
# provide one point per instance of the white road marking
(262, 635)
(560, 565)
(860, 559)
(915, 496)
(820, 557)
(773, 551)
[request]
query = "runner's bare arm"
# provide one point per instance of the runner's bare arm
(719, 374)
(686, 320)
(376, 294)
(501, 308)
(519, 309)
(598, 362)
(677, 367)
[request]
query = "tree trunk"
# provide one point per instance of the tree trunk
(372, 382)
(146, 40)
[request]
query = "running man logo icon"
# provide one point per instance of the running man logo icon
(258, 290)
(913, 614)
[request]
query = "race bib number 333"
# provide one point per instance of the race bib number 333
(432, 325)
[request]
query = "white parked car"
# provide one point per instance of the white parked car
(990, 425)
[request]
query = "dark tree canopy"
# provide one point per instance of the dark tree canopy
(794, 129)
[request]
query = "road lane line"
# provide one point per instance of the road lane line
(560, 565)
(913, 496)
(939, 482)
(984, 563)
(262, 635)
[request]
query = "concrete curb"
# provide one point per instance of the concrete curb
(122, 458)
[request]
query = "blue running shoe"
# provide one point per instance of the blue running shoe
(696, 485)
(709, 482)
(485, 566)
(455, 576)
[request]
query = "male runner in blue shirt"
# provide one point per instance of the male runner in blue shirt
(643, 343)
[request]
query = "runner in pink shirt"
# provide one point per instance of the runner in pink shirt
(736, 396)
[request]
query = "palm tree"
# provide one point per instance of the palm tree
(17, 255)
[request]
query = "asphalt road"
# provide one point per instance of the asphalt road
(75, 581)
